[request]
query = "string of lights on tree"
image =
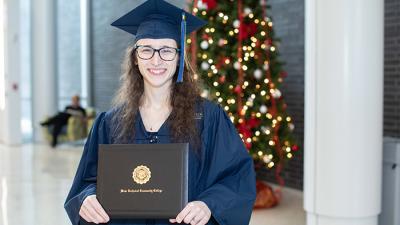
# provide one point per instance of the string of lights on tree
(238, 62)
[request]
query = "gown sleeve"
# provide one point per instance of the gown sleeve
(228, 170)
(84, 183)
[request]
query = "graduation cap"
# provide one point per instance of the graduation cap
(157, 19)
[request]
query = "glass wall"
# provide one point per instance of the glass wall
(68, 39)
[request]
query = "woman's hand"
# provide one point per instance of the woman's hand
(92, 211)
(195, 213)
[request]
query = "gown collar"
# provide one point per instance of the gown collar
(141, 132)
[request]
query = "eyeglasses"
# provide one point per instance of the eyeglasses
(147, 52)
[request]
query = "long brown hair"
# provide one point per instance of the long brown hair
(183, 100)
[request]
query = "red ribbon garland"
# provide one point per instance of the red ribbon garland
(240, 54)
(273, 112)
(193, 38)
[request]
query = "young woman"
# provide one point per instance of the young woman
(151, 107)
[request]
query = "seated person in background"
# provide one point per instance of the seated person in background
(61, 118)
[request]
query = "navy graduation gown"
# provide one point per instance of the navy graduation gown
(223, 176)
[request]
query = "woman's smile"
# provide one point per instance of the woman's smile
(157, 71)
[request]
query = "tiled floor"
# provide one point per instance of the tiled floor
(34, 181)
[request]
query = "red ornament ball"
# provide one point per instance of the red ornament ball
(222, 79)
(205, 37)
(238, 89)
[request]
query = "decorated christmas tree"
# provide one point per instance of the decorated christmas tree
(238, 60)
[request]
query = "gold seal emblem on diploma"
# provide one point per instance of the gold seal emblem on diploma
(141, 174)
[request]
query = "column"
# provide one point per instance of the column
(44, 90)
(343, 111)
(85, 52)
(10, 106)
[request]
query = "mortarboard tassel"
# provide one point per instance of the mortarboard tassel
(182, 51)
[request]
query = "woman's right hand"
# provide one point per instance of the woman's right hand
(92, 211)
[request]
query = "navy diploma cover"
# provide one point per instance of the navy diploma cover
(143, 180)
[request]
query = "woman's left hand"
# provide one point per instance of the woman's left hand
(195, 213)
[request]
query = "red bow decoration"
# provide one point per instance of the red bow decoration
(245, 129)
(211, 4)
(247, 30)
(254, 122)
